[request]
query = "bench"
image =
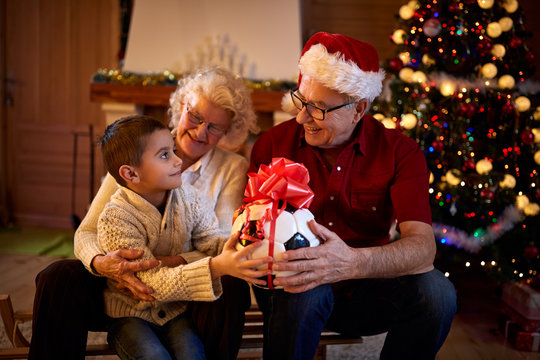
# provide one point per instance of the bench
(250, 348)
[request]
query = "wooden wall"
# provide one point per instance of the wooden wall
(51, 50)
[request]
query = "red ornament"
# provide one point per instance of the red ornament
(527, 137)
(516, 41)
(437, 145)
(530, 252)
(395, 64)
(484, 46)
(453, 7)
(487, 194)
(468, 165)
(529, 56)
(508, 108)
(467, 109)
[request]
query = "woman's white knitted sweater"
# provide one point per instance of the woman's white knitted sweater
(129, 221)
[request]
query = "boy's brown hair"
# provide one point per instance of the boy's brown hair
(124, 142)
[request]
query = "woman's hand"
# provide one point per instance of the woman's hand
(330, 262)
(115, 266)
(235, 262)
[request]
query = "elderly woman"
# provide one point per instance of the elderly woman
(211, 114)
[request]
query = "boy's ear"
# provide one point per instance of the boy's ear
(129, 174)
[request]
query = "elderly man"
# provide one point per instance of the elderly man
(364, 177)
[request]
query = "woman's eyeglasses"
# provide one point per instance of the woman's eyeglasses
(196, 120)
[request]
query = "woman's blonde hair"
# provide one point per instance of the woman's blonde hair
(223, 89)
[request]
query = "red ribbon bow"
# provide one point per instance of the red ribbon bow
(283, 179)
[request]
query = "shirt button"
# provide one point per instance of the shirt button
(330, 224)
(161, 314)
(332, 197)
(374, 208)
(338, 168)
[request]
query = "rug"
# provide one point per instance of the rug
(37, 241)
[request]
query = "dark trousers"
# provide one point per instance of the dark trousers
(69, 303)
(415, 310)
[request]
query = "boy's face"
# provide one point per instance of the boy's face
(160, 168)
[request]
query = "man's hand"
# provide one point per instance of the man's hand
(115, 266)
(235, 262)
(330, 262)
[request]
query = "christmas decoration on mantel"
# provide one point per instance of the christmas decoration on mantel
(169, 78)
(459, 86)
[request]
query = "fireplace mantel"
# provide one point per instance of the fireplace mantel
(120, 100)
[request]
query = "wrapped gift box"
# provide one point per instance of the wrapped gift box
(526, 324)
(519, 338)
(523, 299)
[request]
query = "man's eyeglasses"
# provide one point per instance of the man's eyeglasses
(196, 120)
(314, 111)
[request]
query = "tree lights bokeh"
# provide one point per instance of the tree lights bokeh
(458, 84)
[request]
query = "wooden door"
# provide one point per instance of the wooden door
(51, 49)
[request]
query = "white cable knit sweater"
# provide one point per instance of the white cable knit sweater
(219, 176)
(129, 221)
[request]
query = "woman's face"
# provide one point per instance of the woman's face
(201, 126)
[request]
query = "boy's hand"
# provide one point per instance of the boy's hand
(115, 266)
(235, 262)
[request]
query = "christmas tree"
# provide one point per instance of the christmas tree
(459, 85)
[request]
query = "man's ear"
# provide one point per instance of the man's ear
(361, 109)
(129, 174)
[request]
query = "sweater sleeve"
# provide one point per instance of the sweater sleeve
(86, 245)
(117, 228)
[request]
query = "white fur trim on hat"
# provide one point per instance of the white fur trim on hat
(333, 71)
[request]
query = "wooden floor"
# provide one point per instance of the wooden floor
(474, 334)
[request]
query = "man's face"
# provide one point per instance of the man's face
(338, 125)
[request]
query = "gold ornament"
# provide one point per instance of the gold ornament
(453, 177)
(509, 182)
(406, 12)
(498, 50)
(537, 157)
(523, 104)
(427, 60)
(408, 121)
(398, 36)
(532, 209)
(405, 74)
(489, 71)
(486, 4)
(483, 167)
(536, 133)
(506, 82)
(494, 30)
(506, 23)
(388, 123)
(419, 77)
(447, 88)
(522, 201)
(510, 6)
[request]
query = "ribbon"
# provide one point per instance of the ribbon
(282, 180)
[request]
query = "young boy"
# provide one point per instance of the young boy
(152, 212)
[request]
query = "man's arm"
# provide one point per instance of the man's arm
(335, 261)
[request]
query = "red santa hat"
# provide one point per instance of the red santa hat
(341, 63)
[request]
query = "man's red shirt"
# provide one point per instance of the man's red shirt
(381, 175)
